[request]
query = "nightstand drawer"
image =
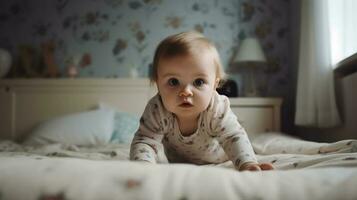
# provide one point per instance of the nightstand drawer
(255, 120)
(257, 115)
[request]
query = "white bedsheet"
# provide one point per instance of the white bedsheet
(305, 170)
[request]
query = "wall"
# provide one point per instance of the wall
(117, 34)
(111, 37)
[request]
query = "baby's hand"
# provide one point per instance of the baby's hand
(256, 166)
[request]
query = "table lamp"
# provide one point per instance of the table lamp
(250, 56)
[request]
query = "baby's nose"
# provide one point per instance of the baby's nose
(186, 91)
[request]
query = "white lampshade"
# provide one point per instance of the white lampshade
(250, 51)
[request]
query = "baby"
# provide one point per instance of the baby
(188, 121)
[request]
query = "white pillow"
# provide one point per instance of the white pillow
(84, 128)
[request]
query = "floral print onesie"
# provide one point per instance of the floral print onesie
(218, 138)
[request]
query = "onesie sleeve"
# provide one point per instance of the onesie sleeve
(230, 134)
(146, 143)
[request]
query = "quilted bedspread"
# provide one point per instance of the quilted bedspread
(304, 170)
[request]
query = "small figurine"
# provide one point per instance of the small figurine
(48, 49)
(72, 71)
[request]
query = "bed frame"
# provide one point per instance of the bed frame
(24, 103)
(27, 102)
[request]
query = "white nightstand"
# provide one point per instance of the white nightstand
(257, 114)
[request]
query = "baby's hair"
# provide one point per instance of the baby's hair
(183, 44)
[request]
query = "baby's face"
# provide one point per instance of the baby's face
(186, 84)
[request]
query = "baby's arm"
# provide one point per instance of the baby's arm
(237, 147)
(234, 139)
(145, 148)
(147, 140)
(256, 166)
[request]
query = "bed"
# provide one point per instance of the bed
(70, 138)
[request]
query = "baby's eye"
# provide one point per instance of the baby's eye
(198, 82)
(173, 82)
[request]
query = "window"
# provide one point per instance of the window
(343, 29)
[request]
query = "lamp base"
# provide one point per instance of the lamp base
(250, 87)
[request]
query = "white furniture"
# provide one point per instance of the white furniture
(257, 114)
(24, 103)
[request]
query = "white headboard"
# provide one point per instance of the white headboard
(26, 102)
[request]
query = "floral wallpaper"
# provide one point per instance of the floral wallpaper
(117, 38)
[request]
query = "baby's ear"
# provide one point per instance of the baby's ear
(216, 83)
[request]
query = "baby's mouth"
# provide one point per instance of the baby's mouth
(186, 105)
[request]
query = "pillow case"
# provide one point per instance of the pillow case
(125, 125)
(84, 128)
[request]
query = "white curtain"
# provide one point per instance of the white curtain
(315, 103)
